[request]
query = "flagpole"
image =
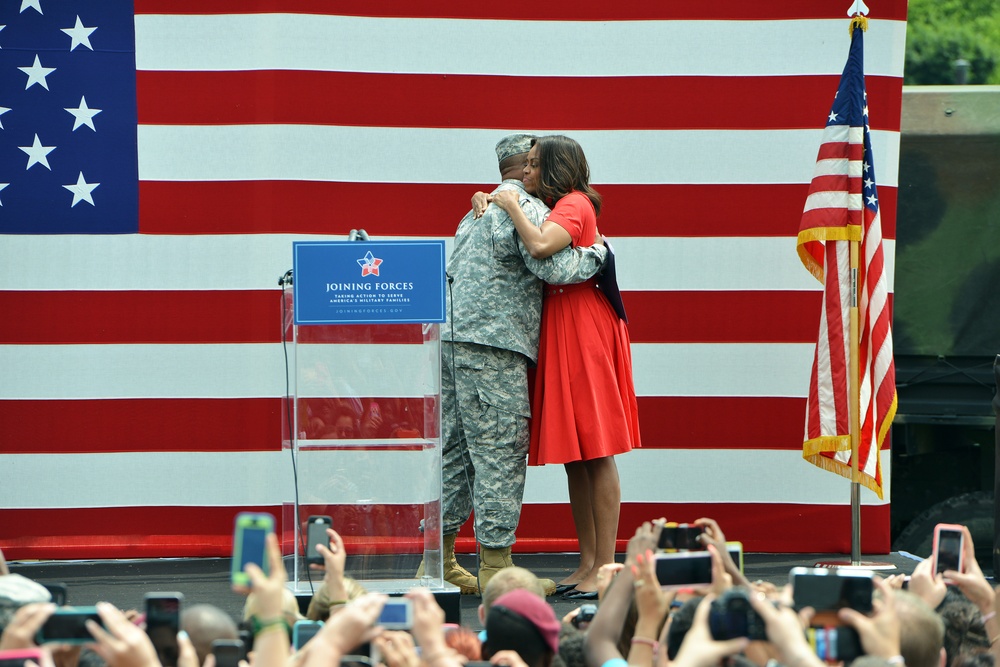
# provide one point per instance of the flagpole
(855, 409)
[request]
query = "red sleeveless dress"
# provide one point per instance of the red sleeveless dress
(584, 403)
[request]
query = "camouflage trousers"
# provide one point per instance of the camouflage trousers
(484, 419)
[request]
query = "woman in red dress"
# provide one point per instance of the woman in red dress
(584, 408)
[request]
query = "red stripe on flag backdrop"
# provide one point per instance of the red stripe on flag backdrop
(83, 426)
(429, 100)
(558, 10)
(72, 533)
(244, 207)
(254, 316)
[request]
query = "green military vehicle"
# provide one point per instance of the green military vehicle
(946, 315)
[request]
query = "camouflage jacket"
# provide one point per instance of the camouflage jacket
(496, 291)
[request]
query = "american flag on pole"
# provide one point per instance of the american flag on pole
(141, 366)
(843, 206)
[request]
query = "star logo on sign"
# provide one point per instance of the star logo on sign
(36, 74)
(81, 191)
(79, 34)
(2, 26)
(2, 186)
(3, 110)
(369, 264)
(37, 154)
(83, 115)
(31, 4)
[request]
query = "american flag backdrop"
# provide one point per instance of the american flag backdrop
(843, 207)
(183, 145)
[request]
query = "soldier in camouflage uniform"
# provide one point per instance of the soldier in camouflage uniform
(496, 308)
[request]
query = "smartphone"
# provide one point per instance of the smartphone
(17, 657)
(680, 537)
(249, 545)
(826, 591)
(684, 569)
(397, 614)
(835, 644)
(735, 550)
(584, 616)
(949, 541)
(163, 622)
(67, 625)
(58, 592)
(228, 652)
(316, 534)
(303, 631)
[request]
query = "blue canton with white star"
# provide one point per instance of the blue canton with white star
(850, 107)
(68, 117)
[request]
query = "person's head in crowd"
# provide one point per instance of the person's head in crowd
(572, 649)
(680, 623)
(978, 658)
(511, 153)
(921, 640)
(15, 592)
(204, 623)
(344, 424)
(524, 622)
(964, 631)
(506, 580)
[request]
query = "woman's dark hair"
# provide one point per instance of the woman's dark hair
(564, 169)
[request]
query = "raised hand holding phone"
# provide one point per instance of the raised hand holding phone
(249, 537)
(120, 642)
(970, 579)
(163, 622)
(24, 626)
(317, 535)
(949, 548)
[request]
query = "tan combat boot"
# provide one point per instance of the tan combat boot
(492, 561)
(453, 572)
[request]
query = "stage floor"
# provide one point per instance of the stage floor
(124, 582)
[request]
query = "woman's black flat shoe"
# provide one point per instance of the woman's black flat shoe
(580, 595)
(563, 588)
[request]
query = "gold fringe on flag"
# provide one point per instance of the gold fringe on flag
(859, 21)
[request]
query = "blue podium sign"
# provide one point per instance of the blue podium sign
(368, 282)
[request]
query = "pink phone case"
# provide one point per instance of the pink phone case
(937, 537)
(22, 654)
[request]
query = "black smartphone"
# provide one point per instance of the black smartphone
(680, 536)
(948, 547)
(826, 591)
(683, 569)
(58, 592)
(67, 625)
(584, 616)
(303, 631)
(316, 534)
(228, 652)
(835, 644)
(163, 622)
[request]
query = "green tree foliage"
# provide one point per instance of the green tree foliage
(939, 32)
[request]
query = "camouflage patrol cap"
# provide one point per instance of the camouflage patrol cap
(513, 144)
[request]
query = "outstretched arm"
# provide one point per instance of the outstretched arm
(541, 242)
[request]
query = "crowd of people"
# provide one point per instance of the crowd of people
(925, 620)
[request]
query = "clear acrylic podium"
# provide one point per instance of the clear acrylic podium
(364, 405)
